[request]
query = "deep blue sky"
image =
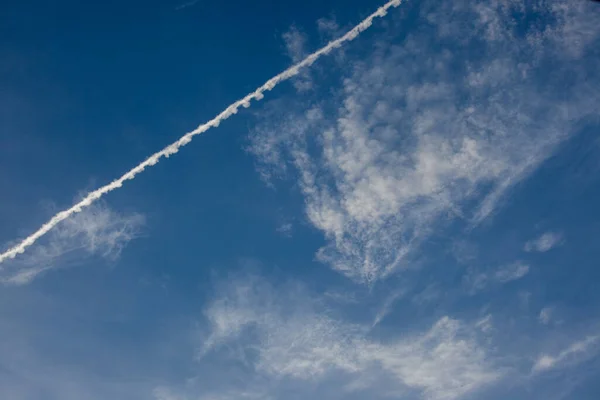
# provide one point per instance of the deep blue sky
(414, 217)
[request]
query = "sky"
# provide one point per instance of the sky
(410, 217)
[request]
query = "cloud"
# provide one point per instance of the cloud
(328, 27)
(295, 43)
(485, 324)
(287, 337)
(512, 272)
(546, 315)
(186, 5)
(477, 281)
(285, 229)
(96, 231)
(574, 354)
(387, 306)
(174, 147)
(544, 243)
(435, 124)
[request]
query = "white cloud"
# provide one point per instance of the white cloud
(417, 136)
(328, 27)
(576, 352)
(512, 272)
(441, 362)
(387, 306)
(544, 243)
(476, 281)
(485, 324)
(186, 5)
(174, 147)
(290, 339)
(295, 43)
(546, 315)
(96, 231)
(285, 229)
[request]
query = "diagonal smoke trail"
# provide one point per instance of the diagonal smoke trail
(213, 123)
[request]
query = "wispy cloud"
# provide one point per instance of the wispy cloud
(186, 5)
(285, 229)
(387, 306)
(476, 281)
(295, 43)
(96, 231)
(544, 243)
(576, 352)
(426, 129)
(485, 324)
(173, 148)
(291, 339)
(546, 315)
(511, 272)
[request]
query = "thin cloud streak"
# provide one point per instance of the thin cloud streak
(173, 148)
(186, 5)
(584, 349)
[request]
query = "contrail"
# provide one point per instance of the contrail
(213, 123)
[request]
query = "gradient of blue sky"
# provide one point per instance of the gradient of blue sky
(412, 218)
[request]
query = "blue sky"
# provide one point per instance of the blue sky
(412, 217)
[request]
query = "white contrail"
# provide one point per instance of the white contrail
(213, 123)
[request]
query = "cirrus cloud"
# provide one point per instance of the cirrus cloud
(284, 336)
(436, 125)
(96, 231)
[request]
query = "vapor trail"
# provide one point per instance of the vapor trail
(213, 123)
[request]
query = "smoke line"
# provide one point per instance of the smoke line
(213, 123)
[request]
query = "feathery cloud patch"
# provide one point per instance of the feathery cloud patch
(512, 272)
(295, 43)
(417, 159)
(290, 339)
(476, 281)
(403, 149)
(544, 243)
(576, 352)
(97, 231)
